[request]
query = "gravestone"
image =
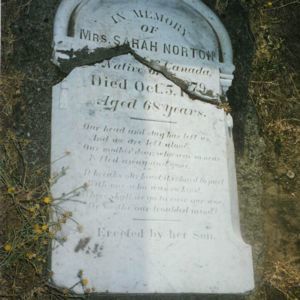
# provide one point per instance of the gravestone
(142, 152)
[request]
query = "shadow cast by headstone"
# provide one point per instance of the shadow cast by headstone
(236, 21)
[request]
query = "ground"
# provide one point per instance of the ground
(264, 100)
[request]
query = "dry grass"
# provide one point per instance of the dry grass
(274, 87)
(25, 201)
(11, 10)
(285, 278)
(274, 90)
(26, 239)
(25, 207)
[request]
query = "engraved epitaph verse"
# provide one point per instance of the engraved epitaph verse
(157, 167)
(146, 158)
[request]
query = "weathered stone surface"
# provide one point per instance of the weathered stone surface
(150, 172)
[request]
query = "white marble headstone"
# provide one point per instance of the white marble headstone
(149, 174)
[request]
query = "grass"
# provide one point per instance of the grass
(26, 203)
(25, 200)
(25, 207)
(285, 278)
(274, 90)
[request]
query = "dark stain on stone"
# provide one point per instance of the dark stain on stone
(82, 244)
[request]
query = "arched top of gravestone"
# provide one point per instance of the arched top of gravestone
(174, 37)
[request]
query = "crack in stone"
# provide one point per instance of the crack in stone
(86, 57)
